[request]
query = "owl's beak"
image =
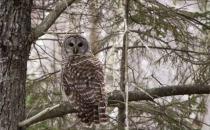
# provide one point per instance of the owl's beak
(75, 50)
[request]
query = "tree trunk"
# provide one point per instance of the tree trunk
(123, 109)
(15, 28)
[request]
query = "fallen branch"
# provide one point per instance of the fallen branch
(116, 97)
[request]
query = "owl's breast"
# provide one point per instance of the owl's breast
(86, 71)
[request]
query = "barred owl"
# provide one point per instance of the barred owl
(83, 80)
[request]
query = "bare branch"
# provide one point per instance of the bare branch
(50, 18)
(117, 97)
(161, 92)
(50, 112)
(158, 48)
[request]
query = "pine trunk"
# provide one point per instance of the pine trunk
(15, 27)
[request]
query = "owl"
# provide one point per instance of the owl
(83, 80)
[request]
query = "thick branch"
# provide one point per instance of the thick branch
(161, 92)
(50, 18)
(117, 97)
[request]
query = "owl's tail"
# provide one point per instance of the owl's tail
(93, 113)
(102, 112)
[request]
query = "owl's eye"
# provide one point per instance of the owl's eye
(80, 44)
(71, 44)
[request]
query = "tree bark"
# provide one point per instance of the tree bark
(15, 28)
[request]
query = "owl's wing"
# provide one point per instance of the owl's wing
(67, 82)
(95, 92)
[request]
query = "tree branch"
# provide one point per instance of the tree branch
(117, 97)
(153, 93)
(156, 47)
(50, 112)
(50, 18)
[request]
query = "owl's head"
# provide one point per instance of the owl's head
(75, 45)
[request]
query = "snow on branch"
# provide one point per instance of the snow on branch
(117, 97)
